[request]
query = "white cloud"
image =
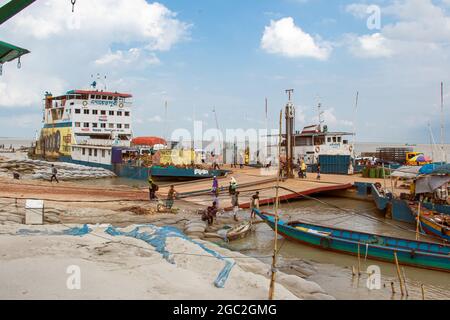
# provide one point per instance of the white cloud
(330, 119)
(420, 26)
(157, 119)
(358, 10)
(132, 55)
(283, 37)
(111, 37)
(371, 46)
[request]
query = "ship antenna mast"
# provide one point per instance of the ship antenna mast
(319, 107)
(442, 123)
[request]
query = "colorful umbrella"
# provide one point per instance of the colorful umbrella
(421, 158)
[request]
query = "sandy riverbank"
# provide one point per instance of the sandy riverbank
(34, 266)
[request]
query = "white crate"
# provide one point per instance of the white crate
(34, 212)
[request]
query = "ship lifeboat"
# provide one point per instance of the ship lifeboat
(148, 141)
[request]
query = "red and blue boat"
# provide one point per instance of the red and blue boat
(420, 254)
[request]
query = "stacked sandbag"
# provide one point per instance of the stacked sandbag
(42, 170)
(195, 229)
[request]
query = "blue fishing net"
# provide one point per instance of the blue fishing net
(158, 240)
(76, 231)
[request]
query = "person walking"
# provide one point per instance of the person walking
(255, 204)
(303, 167)
(54, 173)
(235, 204)
(215, 191)
(171, 195)
(318, 171)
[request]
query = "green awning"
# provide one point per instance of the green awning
(12, 7)
(8, 52)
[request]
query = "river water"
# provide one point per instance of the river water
(333, 271)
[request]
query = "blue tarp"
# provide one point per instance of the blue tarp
(444, 169)
(158, 240)
(76, 231)
(429, 168)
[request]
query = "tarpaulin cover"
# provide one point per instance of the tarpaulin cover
(76, 231)
(157, 239)
(428, 184)
(408, 172)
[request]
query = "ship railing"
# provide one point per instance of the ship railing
(104, 142)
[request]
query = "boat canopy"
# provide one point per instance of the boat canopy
(8, 52)
(407, 172)
(429, 184)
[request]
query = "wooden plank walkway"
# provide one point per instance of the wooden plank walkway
(251, 180)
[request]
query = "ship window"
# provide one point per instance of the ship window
(72, 103)
(98, 97)
(345, 142)
(127, 113)
(90, 152)
(92, 96)
(119, 113)
(84, 151)
(77, 124)
(95, 152)
(86, 125)
(119, 126)
(339, 139)
(111, 125)
(77, 111)
(86, 111)
(104, 97)
(103, 153)
(94, 125)
(334, 139)
(94, 111)
(127, 126)
(103, 112)
(329, 139)
(103, 125)
(111, 113)
(110, 97)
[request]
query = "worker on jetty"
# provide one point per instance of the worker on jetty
(255, 204)
(210, 214)
(215, 190)
(235, 204)
(54, 173)
(233, 186)
(318, 171)
(152, 188)
(171, 195)
(303, 168)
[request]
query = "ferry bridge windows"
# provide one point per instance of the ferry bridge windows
(103, 125)
(103, 113)
(334, 139)
(119, 126)
(329, 139)
(111, 113)
(95, 152)
(77, 111)
(83, 151)
(94, 112)
(90, 152)
(86, 111)
(77, 124)
(94, 125)
(98, 97)
(339, 139)
(127, 126)
(104, 97)
(86, 125)
(127, 113)
(345, 142)
(119, 113)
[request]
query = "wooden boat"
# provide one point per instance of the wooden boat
(238, 232)
(419, 254)
(433, 223)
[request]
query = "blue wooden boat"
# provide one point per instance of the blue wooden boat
(433, 223)
(419, 254)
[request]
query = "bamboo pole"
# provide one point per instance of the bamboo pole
(418, 223)
(423, 291)
(392, 287)
(277, 201)
(399, 274)
(359, 261)
(404, 281)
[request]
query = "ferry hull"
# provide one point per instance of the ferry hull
(54, 141)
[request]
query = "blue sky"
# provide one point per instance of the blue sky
(230, 55)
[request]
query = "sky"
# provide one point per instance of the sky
(228, 56)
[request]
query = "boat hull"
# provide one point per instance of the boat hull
(408, 252)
